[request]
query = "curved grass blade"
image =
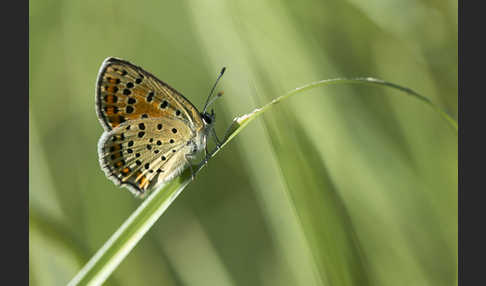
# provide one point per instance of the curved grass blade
(109, 256)
(243, 120)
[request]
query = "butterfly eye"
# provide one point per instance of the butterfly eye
(207, 118)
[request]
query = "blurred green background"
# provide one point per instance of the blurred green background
(342, 185)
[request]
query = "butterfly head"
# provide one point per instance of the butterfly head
(208, 118)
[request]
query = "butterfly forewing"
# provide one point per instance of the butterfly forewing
(126, 92)
(137, 151)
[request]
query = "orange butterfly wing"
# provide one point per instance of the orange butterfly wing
(127, 92)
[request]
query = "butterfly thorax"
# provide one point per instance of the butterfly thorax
(200, 139)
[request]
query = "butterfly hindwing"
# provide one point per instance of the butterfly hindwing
(142, 152)
(126, 92)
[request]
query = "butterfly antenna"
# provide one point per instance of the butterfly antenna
(214, 98)
(212, 90)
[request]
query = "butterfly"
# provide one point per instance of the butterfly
(151, 131)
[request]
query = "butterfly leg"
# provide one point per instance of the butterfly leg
(193, 176)
(218, 143)
(207, 156)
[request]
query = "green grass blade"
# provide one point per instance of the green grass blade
(109, 256)
(245, 119)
